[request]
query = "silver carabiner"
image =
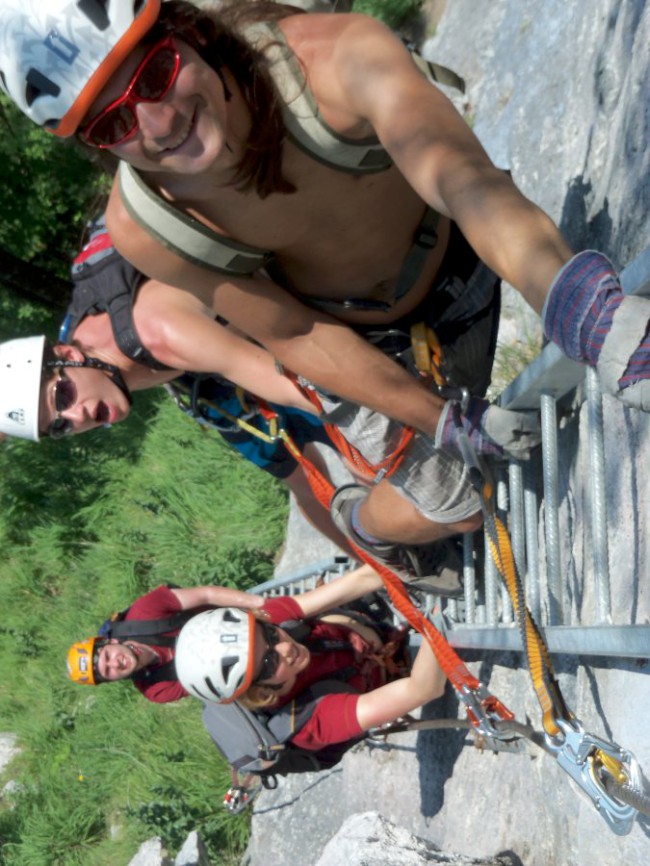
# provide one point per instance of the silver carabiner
(576, 751)
(474, 700)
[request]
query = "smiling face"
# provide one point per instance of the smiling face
(117, 661)
(278, 657)
(183, 132)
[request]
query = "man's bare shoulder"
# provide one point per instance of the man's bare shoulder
(335, 52)
(318, 36)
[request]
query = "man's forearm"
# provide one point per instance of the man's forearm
(338, 360)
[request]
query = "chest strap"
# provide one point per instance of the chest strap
(183, 234)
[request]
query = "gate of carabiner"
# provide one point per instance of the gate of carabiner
(583, 756)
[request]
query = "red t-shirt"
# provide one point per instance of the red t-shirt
(158, 604)
(335, 718)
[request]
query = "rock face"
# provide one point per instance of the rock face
(559, 96)
(371, 840)
(153, 853)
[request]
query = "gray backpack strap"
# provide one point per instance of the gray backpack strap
(182, 234)
(239, 735)
(287, 721)
(247, 740)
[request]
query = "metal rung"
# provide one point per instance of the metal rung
(553, 373)
(623, 641)
(331, 567)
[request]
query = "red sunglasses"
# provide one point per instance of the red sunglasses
(153, 80)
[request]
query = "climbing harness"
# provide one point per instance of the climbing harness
(187, 397)
(373, 472)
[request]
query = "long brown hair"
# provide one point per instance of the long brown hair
(212, 33)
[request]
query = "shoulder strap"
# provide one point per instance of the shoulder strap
(149, 631)
(157, 674)
(436, 73)
(239, 735)
(182, 234)
(104, 282)
(301, 113)
(288, 720)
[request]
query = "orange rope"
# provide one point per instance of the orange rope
(454, 668)
(370, 471)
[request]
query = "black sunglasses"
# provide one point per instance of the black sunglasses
(64, 397)
(271, 660)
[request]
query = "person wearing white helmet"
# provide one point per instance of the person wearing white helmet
(267, 657)
(68, 50)
(310, 148)
(48, 391)
(139, 644)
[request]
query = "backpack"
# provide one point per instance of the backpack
(250, 739)
(105, 282)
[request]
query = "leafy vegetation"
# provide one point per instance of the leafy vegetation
(84, 529)
(49, 189)
(394, 13)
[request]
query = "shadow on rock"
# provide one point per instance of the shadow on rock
(437, 752)
(581, 232)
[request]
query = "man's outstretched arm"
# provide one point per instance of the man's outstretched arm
(580, 297)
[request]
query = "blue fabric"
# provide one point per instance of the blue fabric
(272, 457)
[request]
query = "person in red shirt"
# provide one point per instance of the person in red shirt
(100, 659)
(260, 659)
(149, 664)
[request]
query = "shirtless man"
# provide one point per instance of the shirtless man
(186, 100)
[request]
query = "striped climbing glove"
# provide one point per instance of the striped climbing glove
(592, 321)
(491, 430)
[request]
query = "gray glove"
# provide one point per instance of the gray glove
(491, 430)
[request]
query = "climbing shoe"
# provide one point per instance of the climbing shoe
(434, 568)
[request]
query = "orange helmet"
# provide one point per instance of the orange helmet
(82, 661)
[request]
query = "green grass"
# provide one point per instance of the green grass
(510, 360)
(394, 13)
(84, 530)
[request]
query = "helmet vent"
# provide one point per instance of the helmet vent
(39, 85)
(95, 11)
(227, 664)
(230, 616)
(212, 688)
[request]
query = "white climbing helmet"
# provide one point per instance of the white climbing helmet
(214, 654)
(21, 362)
(57, 55)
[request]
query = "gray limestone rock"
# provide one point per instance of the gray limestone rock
(370, 839)
(193, 852)
(151, 853)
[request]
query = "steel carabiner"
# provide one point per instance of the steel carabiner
(577, 752)
(483, 710)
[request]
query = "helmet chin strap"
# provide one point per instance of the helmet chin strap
(95, 364)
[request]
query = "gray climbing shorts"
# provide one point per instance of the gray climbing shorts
(435, 482)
